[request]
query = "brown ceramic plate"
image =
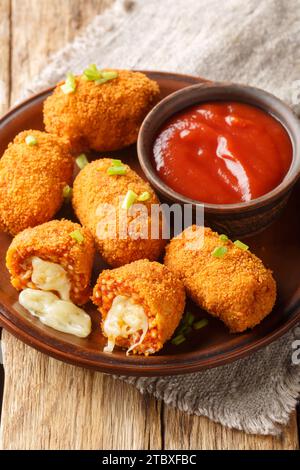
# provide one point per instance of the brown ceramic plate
(278, 246)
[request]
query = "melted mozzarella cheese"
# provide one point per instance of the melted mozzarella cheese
(50, 276)
(61, 315)
(124, 319)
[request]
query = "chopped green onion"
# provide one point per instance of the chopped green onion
(30, 140)
(189, 318)
(92, 73)
(106, 76)
(178, 340)
(200, 324)
(117, 170)
(241, 245)
(184, 330)
(219, 251)
(223, 237)
(129, 199)
(116, 162)
(77, 235)
(67, 192)
(144, 196)
(81, 161)
(69, 85)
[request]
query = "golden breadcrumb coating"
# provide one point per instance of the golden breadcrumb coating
(32, 179)
(52, 242)
(92, 189)
(101, 117)
(152, 286)
(236, 288)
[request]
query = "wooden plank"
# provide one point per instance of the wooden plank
(183, 431)
(5, 32)
(51, 405)
(40, 28)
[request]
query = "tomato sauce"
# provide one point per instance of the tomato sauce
(222, 152)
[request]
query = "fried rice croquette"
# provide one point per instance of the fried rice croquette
(141, 305)
(32, 178)
(55, 255)
(235, 288)
(97, 201)
(101, 117)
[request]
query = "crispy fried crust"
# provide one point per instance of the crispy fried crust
(92, 189)
(102, 117)
(237, 288)
(155, 288)
(52, 242)
(32, 179)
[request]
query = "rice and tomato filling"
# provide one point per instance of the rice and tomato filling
(141, 305)
(52, 242)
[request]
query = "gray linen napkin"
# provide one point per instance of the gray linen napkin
(238, 40)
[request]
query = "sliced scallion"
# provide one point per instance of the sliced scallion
(82, 161)
(129, 199)
(70, 84)
(219, 251)
(241, 245)
(145, 196)
(30, 140)
(67, 192)
(178, 340)
(200, 324)
(77, 235)
(117, 170)
(223, 237)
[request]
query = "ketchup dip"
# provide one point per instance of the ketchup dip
(222, 152)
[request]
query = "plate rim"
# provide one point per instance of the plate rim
(33, 338)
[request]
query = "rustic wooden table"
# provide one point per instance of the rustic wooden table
(51, 405)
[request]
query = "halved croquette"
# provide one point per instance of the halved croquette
(141, 305)
(56, 256)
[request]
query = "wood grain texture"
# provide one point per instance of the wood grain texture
(51, 405)
(42, 27)
(5, 36)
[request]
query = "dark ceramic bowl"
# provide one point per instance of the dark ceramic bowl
(237, 220)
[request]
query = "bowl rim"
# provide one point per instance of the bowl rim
(284, 186)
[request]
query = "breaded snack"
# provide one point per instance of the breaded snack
(32, 178)
(98, 199)
(56, 256)
(104, 116)
(141, 305)
(224, 278)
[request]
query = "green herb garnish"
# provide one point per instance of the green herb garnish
(178, 340)
(70, 84)
(241, 245)
(77, 235)
(187, 323)
(223, 237)
(30, 140)
(219, 251)
(67, 192)
(82, 161)
(129, 199)
(117, 170)
(92, 73)
(200, 324)
(145, 196)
